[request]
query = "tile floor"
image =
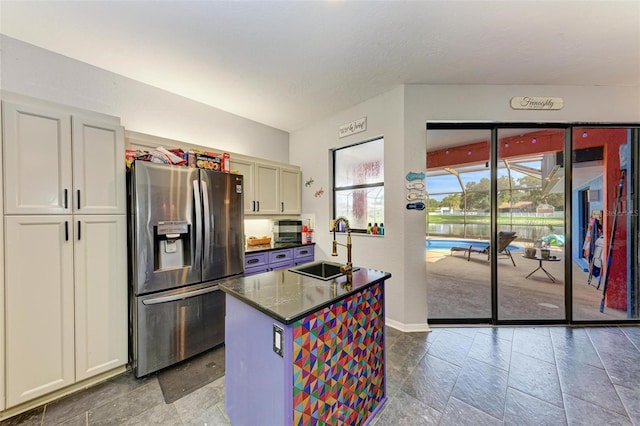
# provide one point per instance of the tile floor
(450, 376)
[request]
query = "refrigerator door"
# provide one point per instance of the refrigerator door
(166, 227)
(223, 223)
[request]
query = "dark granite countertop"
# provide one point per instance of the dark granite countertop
(288, 296)
(275, 246)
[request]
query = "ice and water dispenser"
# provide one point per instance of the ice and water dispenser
(172, 248)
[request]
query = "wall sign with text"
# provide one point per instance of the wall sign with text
(356, 126)
(536, 102)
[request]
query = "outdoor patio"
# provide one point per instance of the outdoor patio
(458, 288)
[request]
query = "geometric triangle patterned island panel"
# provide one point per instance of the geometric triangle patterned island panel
(338, 361)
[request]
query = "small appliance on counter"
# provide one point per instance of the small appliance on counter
(287, 231)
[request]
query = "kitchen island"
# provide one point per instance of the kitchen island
(301, 350)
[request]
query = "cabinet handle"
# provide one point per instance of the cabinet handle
(78, 199)
(254, 206)
(304, 251)
(280, 256)
(282, 207)
(251, 261)
(66, 204)
(79, 231)
(66, 230)
(258, 204)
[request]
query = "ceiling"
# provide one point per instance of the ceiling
(288, 64)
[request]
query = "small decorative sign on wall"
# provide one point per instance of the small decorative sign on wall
(536, 102)
(356, 126)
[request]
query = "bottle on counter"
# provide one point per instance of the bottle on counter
(303, 237)
(369, 228)
(374, 230)
(381, 229)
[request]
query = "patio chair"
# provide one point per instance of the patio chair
(504, 239)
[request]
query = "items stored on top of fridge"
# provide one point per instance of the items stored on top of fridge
(159, 155)
(197, 158)
(208, 160)
(164, 156)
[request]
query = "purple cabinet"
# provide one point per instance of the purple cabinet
(304, 254)
(280, 259)
(270, 260)
(256, 263)
(326, 367)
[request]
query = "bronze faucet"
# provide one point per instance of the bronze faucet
(348, 268)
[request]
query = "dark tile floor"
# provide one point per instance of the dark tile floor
(450, 376)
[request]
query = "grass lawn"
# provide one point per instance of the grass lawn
(502, 220)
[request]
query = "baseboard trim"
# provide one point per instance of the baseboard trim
(408, 328)
(45, 399)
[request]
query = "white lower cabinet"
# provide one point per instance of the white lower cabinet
(66, 299)
(39, 306)
(101, 317)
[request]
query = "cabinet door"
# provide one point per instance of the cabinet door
(2, 334)
(37, 160)
(100, 293)
(98, 167)
(267, 188)
(246, 169)
(39, 306)
(290, 191)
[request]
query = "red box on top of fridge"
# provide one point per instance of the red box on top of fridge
(208, 160)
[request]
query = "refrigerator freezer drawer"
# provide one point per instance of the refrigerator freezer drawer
(175, 325)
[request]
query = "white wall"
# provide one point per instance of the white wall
(310, 148)
(38, 73)
(401, 116)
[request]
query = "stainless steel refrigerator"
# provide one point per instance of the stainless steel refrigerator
(186, 231)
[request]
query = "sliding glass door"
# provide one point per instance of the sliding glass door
(605, 216)
(458, 224)
(512, 237)
(530, 223)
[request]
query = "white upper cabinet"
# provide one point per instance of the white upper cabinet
(269, 189)
(98, 168)
(290, 191)
(37, 160)
(247, 170)
(51, 167)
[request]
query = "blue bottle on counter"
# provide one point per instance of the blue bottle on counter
(381, 229)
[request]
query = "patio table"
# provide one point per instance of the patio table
(540, 259)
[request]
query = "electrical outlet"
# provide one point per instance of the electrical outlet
(278, 334)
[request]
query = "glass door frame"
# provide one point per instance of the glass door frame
(494, 127)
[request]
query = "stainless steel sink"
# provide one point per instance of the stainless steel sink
(321, 270)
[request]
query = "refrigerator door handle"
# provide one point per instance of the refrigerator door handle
(197, 204)
(180, 296)
(207, 220)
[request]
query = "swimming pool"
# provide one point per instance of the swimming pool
(437, 244)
